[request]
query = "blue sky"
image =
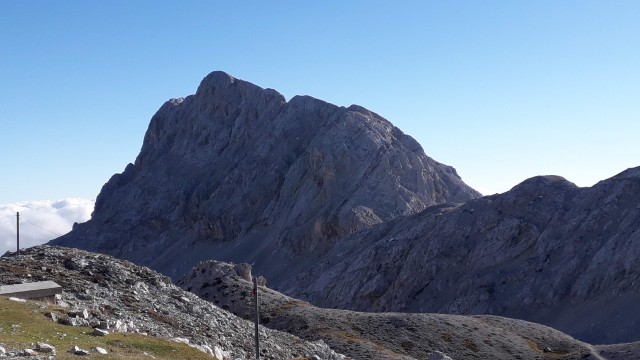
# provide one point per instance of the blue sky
(501, 90)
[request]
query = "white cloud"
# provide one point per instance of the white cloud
(40, 221)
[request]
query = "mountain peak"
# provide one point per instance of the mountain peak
(219, 85)
(543, 183)
(218, 77)
(236, 173)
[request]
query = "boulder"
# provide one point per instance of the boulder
(244, 271)
(45, 348)
(81, 313)
(29, 352)
(99, 332)
(75, 350)
(99, 350)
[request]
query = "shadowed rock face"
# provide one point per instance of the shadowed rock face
(546, 251)
(390, 336)
(235, 172)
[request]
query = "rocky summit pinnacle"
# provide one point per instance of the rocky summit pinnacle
(237, 173)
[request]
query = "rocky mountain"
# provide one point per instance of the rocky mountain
(545, 251)
(338, 207)
(235, 172)
(393, 335)
(118, 296)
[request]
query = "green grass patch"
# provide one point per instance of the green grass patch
(24, 324)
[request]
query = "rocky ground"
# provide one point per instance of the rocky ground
(392, 335)
(120, 296)
(115, 295)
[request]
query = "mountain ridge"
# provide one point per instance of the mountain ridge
(545, 251)
(238, 163)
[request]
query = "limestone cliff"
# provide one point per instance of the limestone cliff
(237, 173)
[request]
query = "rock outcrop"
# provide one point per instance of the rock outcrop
(545, 251)
(237, 173)
(392, 335)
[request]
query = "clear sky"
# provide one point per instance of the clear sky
(501, 90)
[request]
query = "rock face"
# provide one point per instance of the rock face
(387, 336)
(124, 297)
(546, 251)
(237, 173)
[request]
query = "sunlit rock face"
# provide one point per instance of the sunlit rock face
(235, 172)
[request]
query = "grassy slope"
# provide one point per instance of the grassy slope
(34, 326)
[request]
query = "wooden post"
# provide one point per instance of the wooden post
(18, 233)
(255, 294)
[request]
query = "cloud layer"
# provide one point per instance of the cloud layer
(40, 221)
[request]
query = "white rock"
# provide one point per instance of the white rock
(59, 301)
(120, 326)
(55, 317)
(142, 287)
(100, 350)
(17, 299)
(77, 321)
(180, 340)
(77, 351)
(206, 349)
(45, 348)
(81, 313)
(217, 353)
(30, 352)
(99, 332)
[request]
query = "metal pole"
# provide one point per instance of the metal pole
(18, 233)
(255, 294)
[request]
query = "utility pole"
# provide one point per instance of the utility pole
(255, 294)
(18, 233)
